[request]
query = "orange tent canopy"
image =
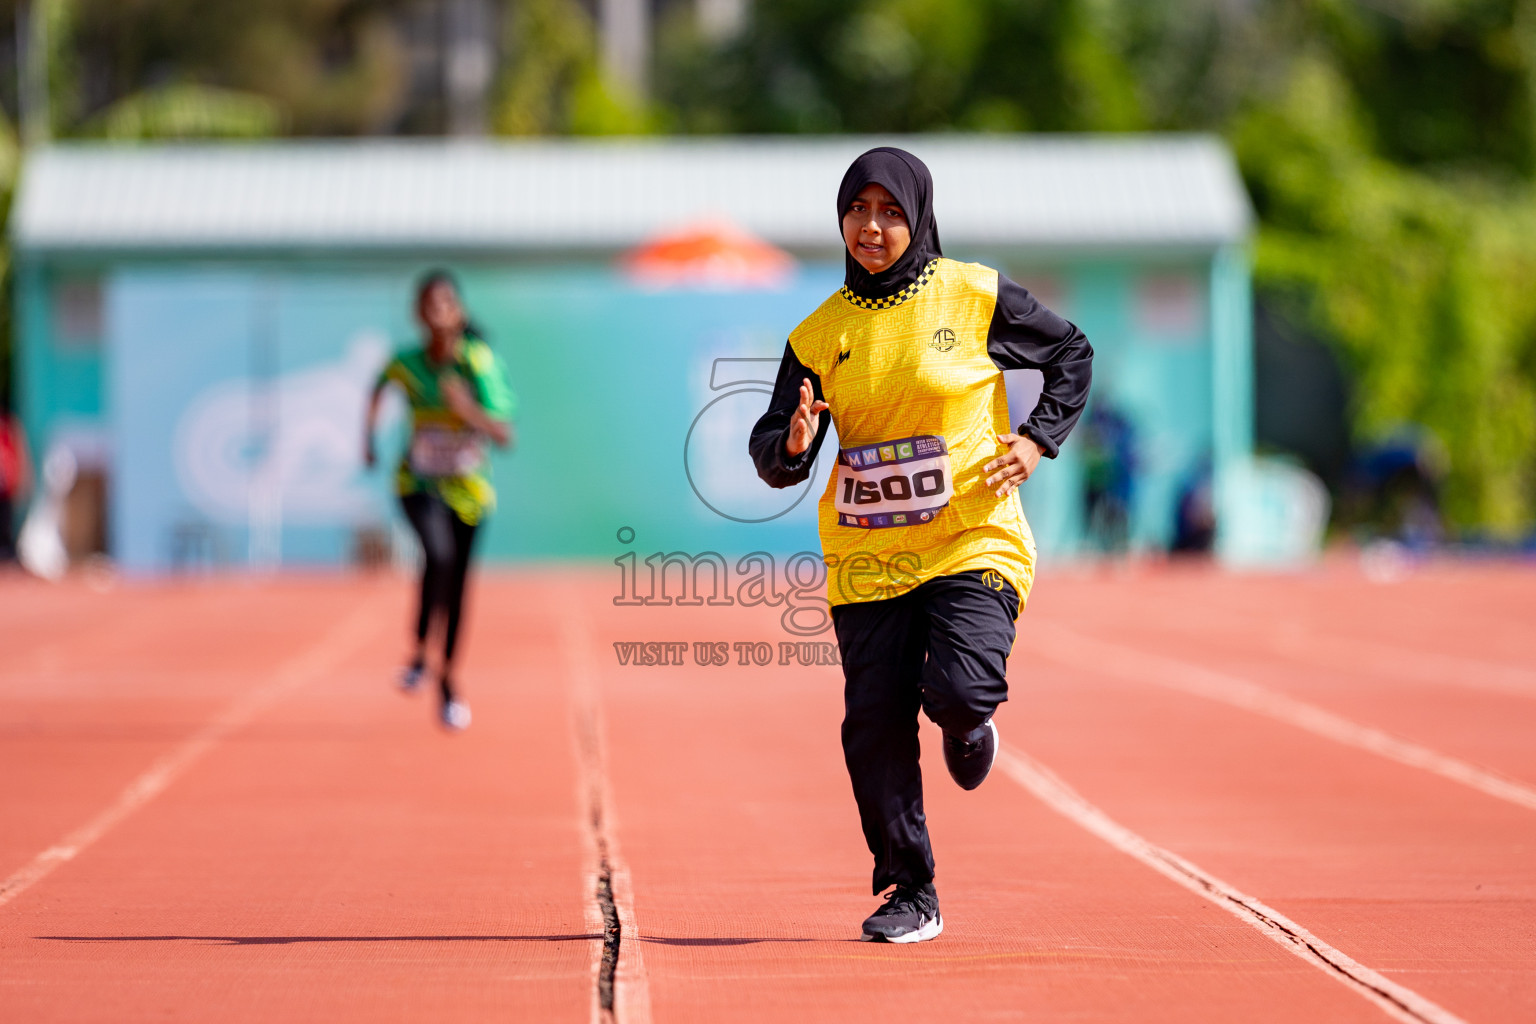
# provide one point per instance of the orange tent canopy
(709, 254)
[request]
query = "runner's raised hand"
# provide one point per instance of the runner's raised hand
(806, 421)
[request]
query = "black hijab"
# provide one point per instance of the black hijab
(907, 178)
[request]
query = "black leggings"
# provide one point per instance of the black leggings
(7, 539)
(941, 648)
(445, 545)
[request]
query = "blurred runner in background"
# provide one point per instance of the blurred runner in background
(459, 398)
(15, 478)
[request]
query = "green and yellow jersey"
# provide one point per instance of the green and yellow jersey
(914, 383)
(445, 455)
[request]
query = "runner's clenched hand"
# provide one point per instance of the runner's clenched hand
(457, 396)
(806, 421)
(1013, 467)
(463, 403)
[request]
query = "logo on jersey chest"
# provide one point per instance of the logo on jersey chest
(943, 340)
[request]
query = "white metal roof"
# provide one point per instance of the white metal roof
(572, 194)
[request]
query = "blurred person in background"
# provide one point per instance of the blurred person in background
(15, 479)
(1194, 517)
(1392, 490)
(460, 398)
(932, 555)
(1109, 457)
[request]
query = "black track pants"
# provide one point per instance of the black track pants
(942, 647)
(446, 541)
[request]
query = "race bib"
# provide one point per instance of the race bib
(437, 451)
(893, 483)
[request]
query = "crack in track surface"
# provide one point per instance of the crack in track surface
(613, 930)
(622, 994)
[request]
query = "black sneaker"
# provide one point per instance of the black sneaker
(910, 914)
(969, 760)
(410, 676)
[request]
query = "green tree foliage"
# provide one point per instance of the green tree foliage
(1422, 281)
(901, 65)
(552, 83)
(187, 111)
(1390, 155)
(1390, 147)
(222, 68)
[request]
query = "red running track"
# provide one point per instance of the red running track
(1226, 798)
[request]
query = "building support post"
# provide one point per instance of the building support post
(32, 73)
(1232, 397)
(626, 43)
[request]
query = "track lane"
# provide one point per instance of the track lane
(102, 685)
(1484, 721)
(338, 858)
(751, 878)
(1408, 873)
(1473, 611)
(1488, 730)
(1397, 1001)
(1068, 648)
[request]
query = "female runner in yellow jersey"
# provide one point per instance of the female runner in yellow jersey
(929, 556)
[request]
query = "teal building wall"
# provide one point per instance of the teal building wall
(229, 394)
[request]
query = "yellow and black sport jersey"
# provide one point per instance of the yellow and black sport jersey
(914, 383)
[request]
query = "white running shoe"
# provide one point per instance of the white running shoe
(456, 715)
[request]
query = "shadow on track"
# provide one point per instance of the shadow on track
(723, 941)
(284, 940)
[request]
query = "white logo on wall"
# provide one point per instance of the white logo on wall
(286, 450)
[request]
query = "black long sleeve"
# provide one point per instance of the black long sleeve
(774, 464)
(1024, 335)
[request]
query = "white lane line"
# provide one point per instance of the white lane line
(631, 993)
(324, 656)
(1308, 647)
(1425, 666)
(1071, 648)
(1397, 1001)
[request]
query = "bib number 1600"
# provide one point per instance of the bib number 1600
(896, 487)
(897, 483)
